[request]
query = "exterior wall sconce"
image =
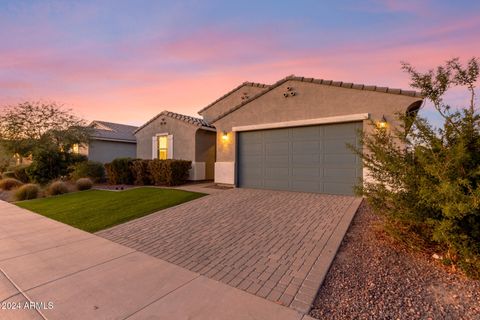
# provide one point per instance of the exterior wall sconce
(224, 135)
(382, 124)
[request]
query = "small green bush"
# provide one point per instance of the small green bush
(9, 184)
(84, 184)
(27, 191)
(88, 169)
(141, 172)
(8, 174)
(57, 187)
(169, 172)
(119, 171)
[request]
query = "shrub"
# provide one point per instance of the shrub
(428, 185)
(141, 172)
(57, 187)
(9, 184)
(169, 172)
(8, 174)
(119, 171)
(88, 169)
(84, 184)
(48, 165)
(21, 173)
(27, 191)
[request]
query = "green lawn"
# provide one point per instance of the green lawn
(95, 210)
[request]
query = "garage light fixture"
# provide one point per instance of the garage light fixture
(224, 135)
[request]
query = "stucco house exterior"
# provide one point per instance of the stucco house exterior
(171, 135)
(293, 135)
(109, 141)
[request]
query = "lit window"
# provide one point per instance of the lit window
(162, 147)
(75, 148)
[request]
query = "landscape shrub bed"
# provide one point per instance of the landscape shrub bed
(88, 169)
(57, 188)
(148, 172)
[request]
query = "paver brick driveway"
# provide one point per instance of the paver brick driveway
(268, 243)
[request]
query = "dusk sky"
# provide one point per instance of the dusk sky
(125, 61)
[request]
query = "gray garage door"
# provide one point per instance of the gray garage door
(310, 159)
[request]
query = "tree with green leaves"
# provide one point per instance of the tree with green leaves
(428, 185)
(44, 131)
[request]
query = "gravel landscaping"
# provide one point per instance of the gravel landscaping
(375, 278)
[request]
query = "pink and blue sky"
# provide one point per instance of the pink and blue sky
(125, 61)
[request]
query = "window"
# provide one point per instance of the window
(76, 148)
(162, 147)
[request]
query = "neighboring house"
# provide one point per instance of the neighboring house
(171, 135)
(291, 135)
(294, 134)
(109, 141)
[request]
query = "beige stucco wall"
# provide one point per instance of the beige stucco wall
(230, 101)
(183, 138)
(311, 101)
(205, 151)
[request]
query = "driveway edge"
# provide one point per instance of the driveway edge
(306, 295)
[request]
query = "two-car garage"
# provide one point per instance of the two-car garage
(309, 158)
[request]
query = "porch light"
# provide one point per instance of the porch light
(382, 124)
(224, 136)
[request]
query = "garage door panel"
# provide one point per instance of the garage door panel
(306, 147)
(341, 160)
(276, 148)
(314, 173)
(276, 135)
(276, 160)
(307, 133)
(277, 173)
(308, 159)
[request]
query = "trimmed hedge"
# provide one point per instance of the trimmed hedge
(147, 172)
(141, 172)
(88, 169)
(169, 172)
(119, 171)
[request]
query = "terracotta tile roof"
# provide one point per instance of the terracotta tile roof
(246, 83)
(188, 119)
(103, 130)
(347, 85)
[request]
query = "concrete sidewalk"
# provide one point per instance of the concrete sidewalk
(49, 270)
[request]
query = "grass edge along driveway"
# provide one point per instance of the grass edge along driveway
(95, 210)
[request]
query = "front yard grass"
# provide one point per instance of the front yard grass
(94, 210)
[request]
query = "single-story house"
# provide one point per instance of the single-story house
(108, 141)
(293, 135)
(170, 135)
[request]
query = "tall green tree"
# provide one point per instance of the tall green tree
(428, 185)
(28, 126)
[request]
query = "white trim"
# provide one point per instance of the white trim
(169, 145)
(306, 122)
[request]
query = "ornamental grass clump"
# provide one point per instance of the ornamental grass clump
(84, 184)
(8, 184)
(27, 192)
